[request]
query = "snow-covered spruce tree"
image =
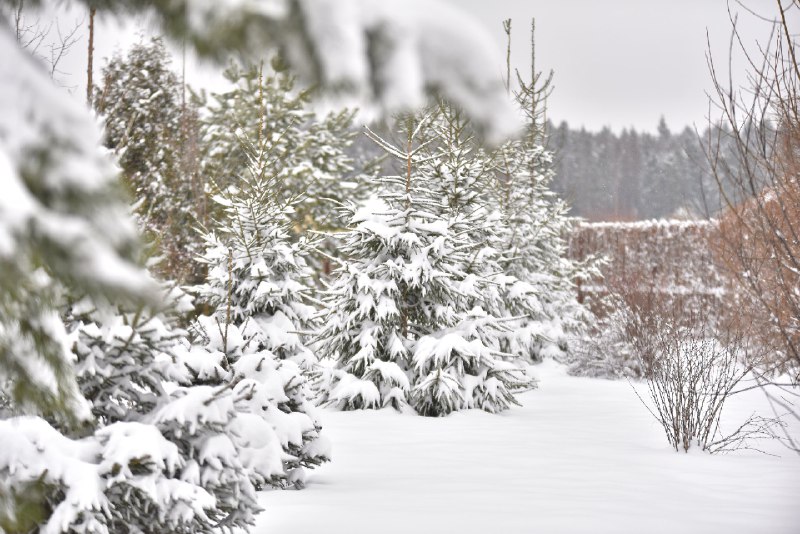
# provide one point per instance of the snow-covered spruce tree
(163, 454)
(274, 425)
(461, 172)
(148, 124)
(542, 291)
(123, 359)
(169, 455)
(534, 231)
(404, 323)
(126, 477)
(63, 221)
(257, 288)
(255, 270)
(464, 175)
(308, 155)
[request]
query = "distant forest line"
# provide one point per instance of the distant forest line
(634, 175)
(627, 176)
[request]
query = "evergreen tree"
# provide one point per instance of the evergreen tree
(462, 174)
(123, 359)
(308, 155)
(148, 125)
(273, 424)
(162, 455)
(257, 288)
(132, 367)
(404, 323)
(537, 285)
(63, 223)
(636, 175)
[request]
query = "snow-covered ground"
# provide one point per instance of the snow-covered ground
(582, 455)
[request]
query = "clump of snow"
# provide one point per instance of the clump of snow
(423, 44)
(47, 137)
(97, 483)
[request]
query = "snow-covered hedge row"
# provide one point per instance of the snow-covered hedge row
(655, 273)
(669, 258)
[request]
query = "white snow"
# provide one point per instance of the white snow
(350, 387)
(581, 456)
(49, 145)
(424, 44)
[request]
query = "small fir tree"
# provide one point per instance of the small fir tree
(539, 286)
(404, 323)
(163, 453)
(257, 289)
(275, 426)
(150, 126)
(309, 156)
(123, 359)
(539, 282)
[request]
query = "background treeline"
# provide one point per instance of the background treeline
(634, 175)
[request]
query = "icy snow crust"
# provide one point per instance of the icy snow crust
(581, 456)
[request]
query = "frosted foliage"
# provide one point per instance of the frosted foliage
(125, 476)
(518, 269)
(37, 372)
(61, 208)
(269, 418)
(266, 283)
(379, 55)
(257, 290)
(256, 273)
(164, 453)
(140, 102)
(307, 155)
(461, 374)
(198, 420)
(123, 359)
(419, 45)
(402, 320)
(540, 288)
(60, 194)
(152, 132)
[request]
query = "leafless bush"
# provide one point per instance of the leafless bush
(45, 40)
(758, 176)
(690, 355)
(755, 161)
(631, 315)
(605, 350)
(689, 378)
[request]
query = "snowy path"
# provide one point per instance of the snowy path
(581, 456)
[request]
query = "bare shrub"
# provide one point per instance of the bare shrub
(690, 355)
(630, 316)
(689, 378)
(655, 271)
(755, 161)
(605, 350)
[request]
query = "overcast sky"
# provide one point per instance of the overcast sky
(617, 63)
(622, 63)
